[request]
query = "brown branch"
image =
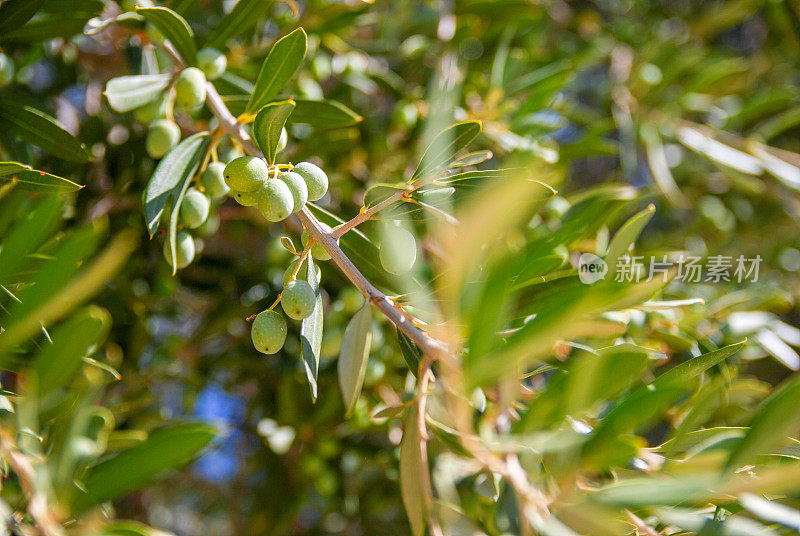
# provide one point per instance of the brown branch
(40, 512)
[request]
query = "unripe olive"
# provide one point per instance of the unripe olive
(246, 199)
(316, 179)
(275, 200)
(246, 174)
(283, 139)
(152, 111)
(268, 332)
(301, 274)
(7, 71)
(317, 251)
(298, 299)
(162, 136)
(194, 208)
(398, 250)
(190, 88)
(213, 180)
(298, 188)
(212, 62)
(210, 226)
(184, 250)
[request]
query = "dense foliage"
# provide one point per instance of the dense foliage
(518, 268)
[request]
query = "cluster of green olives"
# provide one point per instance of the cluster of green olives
(188, 94)
(252, 184)
(298, 300)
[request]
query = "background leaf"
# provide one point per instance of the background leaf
(41, 130)
(166, 448)
(175, 29)
(354, 354)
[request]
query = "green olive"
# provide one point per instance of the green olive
(316, 179)
(246, 174)
(162, 136)
(268, 332)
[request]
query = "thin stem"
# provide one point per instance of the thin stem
(367, 213)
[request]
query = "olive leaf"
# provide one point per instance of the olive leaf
(268, 125)
(15, 13)
(175, 29)
(282, 62)
(414, 476)
(42, 130)
(35, 180)
(444, 147)
(244, 15)
(126, 93)
(324, 114)
(311, 331)
(412, 354)
(170, 176)
(353, 356)
(167, 448)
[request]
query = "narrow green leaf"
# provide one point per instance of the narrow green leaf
(34, 180)
(411, 352)
(38, 128)
(696, 366)
(126, 93)
(170, 176)
(353, 356)
(166, 448)
(267, 127)
(413, 474)
(444, 147)
(324, 114)
(628, 234)
(282, 62)
(57, 362)
(175, 29)
(15, 13)
(244, 15)
(705, 523)
(88, 282)
(27, 235)
(776, 417)
(58, 270)
(311, 331)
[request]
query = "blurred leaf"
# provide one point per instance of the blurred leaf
(324, 114)
(56, 362)
(414, 474)
(15, 13)
(244, 16)
(771, 510)
(23, 239)
(411, 352)
(268, 125)
(166, 448)
(353, 356)
(444, 147)
(174, 28)
(628, 234)
(40, 129)
(706, 524)
(311, 331)
(89, 281)
(34, 180)
(774, 419)
(57, 19)
(283, 61)
(126, 93)
(130, 528)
